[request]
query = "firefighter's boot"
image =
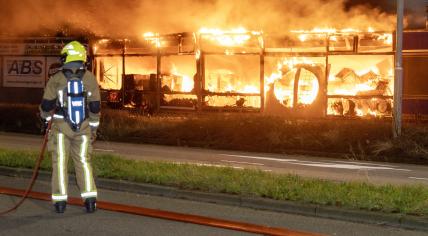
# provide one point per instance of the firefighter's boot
(90, 204)
(60, 206)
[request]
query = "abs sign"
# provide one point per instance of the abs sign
(24, 72)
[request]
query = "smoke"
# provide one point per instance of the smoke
(415, 12)
(132, 17)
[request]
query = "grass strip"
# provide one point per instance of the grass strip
(409, 199)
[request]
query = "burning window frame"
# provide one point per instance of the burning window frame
(319, 44)
(227, 44)
(145, 90)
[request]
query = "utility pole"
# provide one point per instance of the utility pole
(398, 78)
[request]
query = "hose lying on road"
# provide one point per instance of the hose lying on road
(168, 215)
(35, 173)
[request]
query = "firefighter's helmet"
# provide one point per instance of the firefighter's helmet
(73, 51)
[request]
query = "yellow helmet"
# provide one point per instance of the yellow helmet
(73, 51)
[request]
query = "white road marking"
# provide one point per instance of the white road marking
(243, 162)
(358, 163)
(351, 166)
(217, 165)
(418, 178)
(103, 150)
(261, 158)
(212, 165)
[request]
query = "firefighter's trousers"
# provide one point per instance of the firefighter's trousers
(64, 142)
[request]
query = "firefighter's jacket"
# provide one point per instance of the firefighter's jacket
(55, 97)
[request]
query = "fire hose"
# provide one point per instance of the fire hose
(35, 172)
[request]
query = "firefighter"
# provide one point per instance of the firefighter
(72, 100)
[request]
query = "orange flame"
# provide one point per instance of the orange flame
(228, 38)
(152, 38)
(187, 82)
(308, 84)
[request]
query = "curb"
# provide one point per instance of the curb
(367, 217)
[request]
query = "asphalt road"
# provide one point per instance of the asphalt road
(308, 166)
(37, 217)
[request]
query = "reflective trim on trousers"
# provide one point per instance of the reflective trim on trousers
(83, 155)
(61, 163)
(56, 197)
(88, 194)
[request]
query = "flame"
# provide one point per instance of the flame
(229, 88)
(367, 82)
(359, 112)
(152, 38)
(308, 90)
(251, 89)
(354, 89)
(390, 72)
(103, 41)
(386, 38)
(303, 37)
(308, 86)
(370, 81)
(198, 54)
(292, 62)
(373, 113)
(148, 35)
(373, 69)
(99, 43)
(187, 82)
(327, 30)
(228, 38)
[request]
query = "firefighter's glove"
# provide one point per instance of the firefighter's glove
(44, 124)
(44, 127)
(93, 135)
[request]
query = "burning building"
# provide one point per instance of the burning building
(302, 73)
